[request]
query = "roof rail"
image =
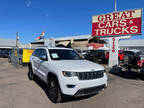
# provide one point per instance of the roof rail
(42, 46)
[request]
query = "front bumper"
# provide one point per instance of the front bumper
(82, 87)
(89, 91)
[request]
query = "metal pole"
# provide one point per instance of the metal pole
(16, 50)
(115, 5)
(17, 38)
(114, 45)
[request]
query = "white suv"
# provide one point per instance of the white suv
(66, 73)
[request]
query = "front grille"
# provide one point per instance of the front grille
(89, 91)
(90, 75)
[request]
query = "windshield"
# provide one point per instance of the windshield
(61, 54)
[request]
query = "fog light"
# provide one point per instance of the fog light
(70, 86)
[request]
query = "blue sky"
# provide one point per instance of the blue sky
(58, 18)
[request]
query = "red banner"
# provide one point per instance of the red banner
(118, 23)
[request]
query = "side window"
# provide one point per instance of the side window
(36, 52)
(39, 52)
(132, 53)
(42, 52)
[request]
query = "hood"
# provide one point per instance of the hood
(76, 65)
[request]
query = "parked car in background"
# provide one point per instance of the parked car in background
(81, 52)
(65, 73)
(90, 55)
(18, 53)
(97, 55)
(20, 56)
(4, 53)
(101, 55)
(10, 56)
(120, 55)
(134, 59)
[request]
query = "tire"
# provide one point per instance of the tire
(20, 62)
(53, 91)
(128, 67)
(9, 60)
(30, 73)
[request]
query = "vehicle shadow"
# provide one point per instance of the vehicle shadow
(127, 74)
(66, 98)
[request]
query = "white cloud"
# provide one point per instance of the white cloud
(28, 4)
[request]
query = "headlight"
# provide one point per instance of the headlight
(69, 74)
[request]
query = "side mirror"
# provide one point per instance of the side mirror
(43, 57)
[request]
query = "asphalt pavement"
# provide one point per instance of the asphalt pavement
(125, 90)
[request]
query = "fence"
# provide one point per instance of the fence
(20, 56)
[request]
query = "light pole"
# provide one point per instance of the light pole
(17, 39)
(114, 46)
(115, 4)
(16, 50)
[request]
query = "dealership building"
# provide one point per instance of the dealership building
(76, 42)
(82, 42)
(132, 44)
(10, 44)
(7, 43)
